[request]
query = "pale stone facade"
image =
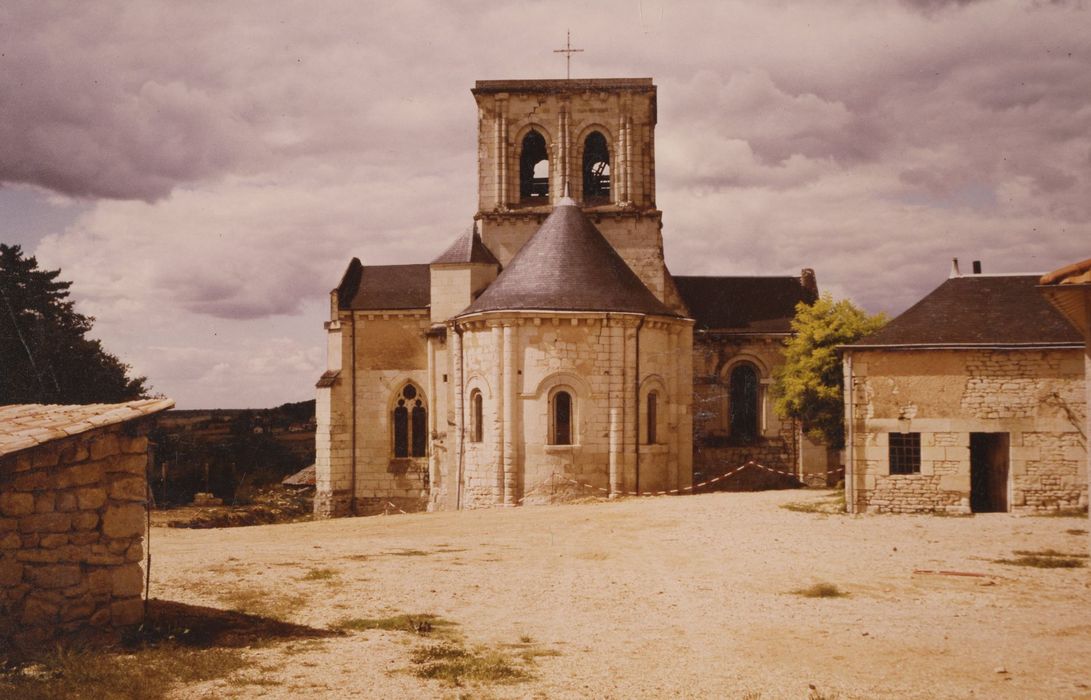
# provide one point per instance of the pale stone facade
(549, 353)
(958, 427)
(73, 500)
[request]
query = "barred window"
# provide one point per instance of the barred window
(905, 453)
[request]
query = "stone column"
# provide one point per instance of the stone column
(672, 411)
(509, 461)
(433, 409)
(615, 452)
(630, 403)
(629, 161)
(620, 192)
(498, 417)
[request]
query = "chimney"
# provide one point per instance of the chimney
(977, 267)
(808, 281)
(954, 269)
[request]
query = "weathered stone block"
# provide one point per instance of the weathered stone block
(38, 556)
(81, 475)
(131, 464)
(135, 552)
(66, 502)
(104, 446)
(127, 580)
(9, 524)
(38, 612)
(53, 541)
(31, 481)
(11, 572)
(45, 522)
(45, 456)
(91, 498)
(43, 502)
(129, 489)
(16, 504)
(134, 445)
(127, 612)
(124, 520)
(100, 618)
(59, 576)
(85, 520)
(99, 581)
(80, 609)
(11, 540)
(75, 451)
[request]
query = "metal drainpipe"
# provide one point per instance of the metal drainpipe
(352, 495)
(850, 488)
(461, 415)
(636, 386)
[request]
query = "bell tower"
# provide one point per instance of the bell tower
(594, 138)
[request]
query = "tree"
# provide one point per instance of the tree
(45, 354)
(809, 385)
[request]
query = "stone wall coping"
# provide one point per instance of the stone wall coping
(23, 426)
(965, 346)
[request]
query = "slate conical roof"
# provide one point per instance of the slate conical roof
(467, 248)
(567, 265)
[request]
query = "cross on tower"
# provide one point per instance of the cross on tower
(568, 51)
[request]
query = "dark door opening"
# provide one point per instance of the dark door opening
(989, 472)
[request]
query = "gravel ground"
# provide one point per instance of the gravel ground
(649, 598)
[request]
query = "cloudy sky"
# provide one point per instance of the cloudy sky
(204, 171)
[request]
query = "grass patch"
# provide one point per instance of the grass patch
(821, 590)
(832, 504)
(416, 624)
(1045, 559)
(255, 601)
(146, 673)
(320, 575)
(1076, 531)
(455, 665)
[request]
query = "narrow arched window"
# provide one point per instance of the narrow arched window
(653, 417)
(743, 395)
(596, 168)
(561, 419)
(410, 422)
(533, 167)
(477, 414)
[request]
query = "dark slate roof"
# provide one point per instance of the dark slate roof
(743, 304)
(467, 248)
(380, 287)
(568, 265)
(992, 310)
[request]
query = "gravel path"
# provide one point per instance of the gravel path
(649, 598)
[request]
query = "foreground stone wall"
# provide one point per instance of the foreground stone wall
(1035, 397)
(72, 517)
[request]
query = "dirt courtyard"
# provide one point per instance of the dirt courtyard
(685, 597)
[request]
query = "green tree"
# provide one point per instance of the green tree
(809, 385)
(45, 354)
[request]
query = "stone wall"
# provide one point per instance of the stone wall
(1035, 397)
(716, 451)
(72, 518)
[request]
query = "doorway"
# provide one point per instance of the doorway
(989, 472)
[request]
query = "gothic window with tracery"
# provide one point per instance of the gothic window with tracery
(410, 424)
(533, 168)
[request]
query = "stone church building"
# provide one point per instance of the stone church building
(548, 352)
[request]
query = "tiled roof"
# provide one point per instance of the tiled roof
(467, 248)
(743, 304)
(991, 310)
(1076, 273)
(382, 287)
(568, 265)
(23, 426)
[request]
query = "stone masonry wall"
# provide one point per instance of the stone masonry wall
(72, 516)
(1035, 397)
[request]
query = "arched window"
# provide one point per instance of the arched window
(653, 417)
(410, 424)
(560, 413)
(743, 397)
(596, 168)
(477, 414)
(533, 167)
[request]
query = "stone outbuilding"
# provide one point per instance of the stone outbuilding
(549, 351)
(73, 502)
(973, 400)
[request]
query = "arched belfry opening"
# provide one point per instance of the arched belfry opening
(596, 168)
(533, 168)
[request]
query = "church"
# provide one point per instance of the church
(548, 352)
